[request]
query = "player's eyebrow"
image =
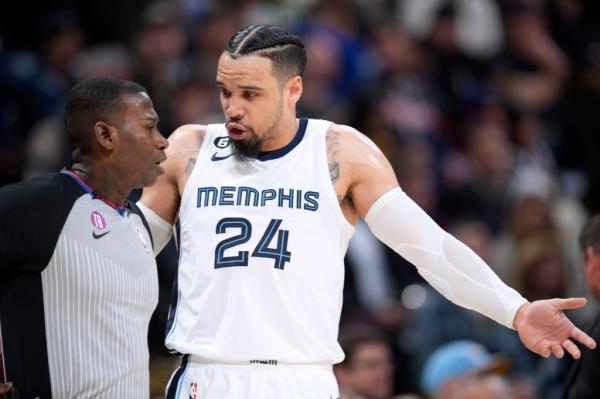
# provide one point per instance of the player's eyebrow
(243, 87)
(250, 87)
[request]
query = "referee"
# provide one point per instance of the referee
(78, 279)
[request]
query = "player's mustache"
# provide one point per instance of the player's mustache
(237, 122)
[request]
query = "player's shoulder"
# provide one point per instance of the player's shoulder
(187, 135)
(184, 143)
(350, 139)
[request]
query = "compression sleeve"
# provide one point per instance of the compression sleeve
(447, 264)
(161, 230)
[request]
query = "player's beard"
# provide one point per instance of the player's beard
(244, 150)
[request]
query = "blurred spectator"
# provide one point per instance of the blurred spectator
(532, 73)
(487, 386)
(322, 77)
(158, 45)
(481, 193)
(447, 369)
(342, 66)
(584, 379)
(461, 79)
(367, 371)
(209, 31)
(33, 87)
(401, 97)
(540, 272)
(414, 162)
(532, 149)
(536, 207)
(478, 29)
(107, 59)
(194, 102)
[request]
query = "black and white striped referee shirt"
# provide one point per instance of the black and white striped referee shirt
(78, 284)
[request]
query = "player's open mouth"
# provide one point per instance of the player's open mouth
(236, 131)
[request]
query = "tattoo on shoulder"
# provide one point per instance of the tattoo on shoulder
(190, 166)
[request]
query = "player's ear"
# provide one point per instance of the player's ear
(105, 134)
(294, 89)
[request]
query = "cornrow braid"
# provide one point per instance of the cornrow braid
(284, 49)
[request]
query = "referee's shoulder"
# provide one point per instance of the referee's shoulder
(39, 193)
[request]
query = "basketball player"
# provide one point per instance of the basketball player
(267, 203)
(78, 280)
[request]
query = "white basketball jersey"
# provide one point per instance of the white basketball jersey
(261, 267)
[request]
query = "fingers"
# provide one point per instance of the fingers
(583, 338)
(558, 351)
(571, 348)
(569, 303)
(545, 349)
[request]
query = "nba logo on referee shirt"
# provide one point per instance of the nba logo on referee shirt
(143, 240)
(98, 220)
(194, 390)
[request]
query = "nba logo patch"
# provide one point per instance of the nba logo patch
(145, 243)
(194, 390)
(98, 220)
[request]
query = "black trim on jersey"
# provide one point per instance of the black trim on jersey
(174, 301)
(172, 310)
(174, 384)
(33, 214)
(269, 155)
(134, 208)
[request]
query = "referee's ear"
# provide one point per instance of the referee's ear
(105, 135)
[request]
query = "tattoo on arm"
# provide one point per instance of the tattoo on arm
(333, 149)
(334, 171)
(190, 166)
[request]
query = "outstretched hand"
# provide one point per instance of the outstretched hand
(545, 330)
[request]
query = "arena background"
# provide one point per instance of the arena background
(488, 110)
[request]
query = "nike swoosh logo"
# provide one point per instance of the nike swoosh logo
(96, 236)
(217, 158)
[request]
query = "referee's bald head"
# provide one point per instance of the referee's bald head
(91, 101)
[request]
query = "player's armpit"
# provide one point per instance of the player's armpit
(359, 170)
(164, 196)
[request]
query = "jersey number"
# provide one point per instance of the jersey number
(279, 254)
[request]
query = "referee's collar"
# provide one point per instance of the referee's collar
(121, 209)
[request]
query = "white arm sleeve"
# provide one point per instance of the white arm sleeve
(447, 264)
(160, 229)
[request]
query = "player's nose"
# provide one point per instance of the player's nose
(233, 110)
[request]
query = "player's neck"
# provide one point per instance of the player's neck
(106, 182)
(285, 133)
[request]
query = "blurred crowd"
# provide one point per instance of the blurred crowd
(487, 109)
